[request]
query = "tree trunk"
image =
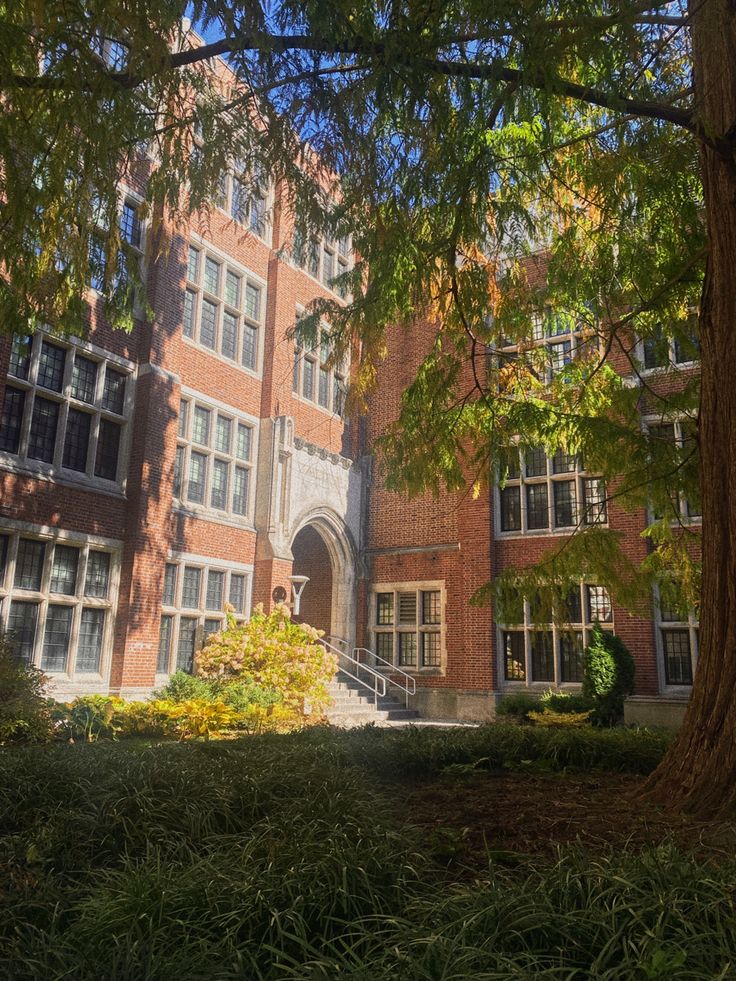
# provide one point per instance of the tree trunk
(699, 772)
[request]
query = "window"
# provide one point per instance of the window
(65, 410)
(325, 259)
(316, 377)
(408, 626)
(536, 653)
(56, 602)
(223, 309)
(130, 226)
(673, 442)
(245, 197)
(660, 350)
(194, 595)
(214, 459)
(549, 493)
(678, 635)
(558, 338)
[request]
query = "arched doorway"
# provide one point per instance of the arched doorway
(322, 550)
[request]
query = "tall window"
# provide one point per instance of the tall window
(65, 409)
(325, 259)
(533, 652)
(194, 597)
(131, 234)
(214, 459)
(678, 440)
(544, 493)
(660, 350)
(678, 636)
(223, 308)
(316, 377)
(245, 197)
(408, 625)
(56, 602)
(558, 338)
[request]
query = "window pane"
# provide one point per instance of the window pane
(594, 496)
(239, 202)
(571, 656)
(599, 604)
(407, 650)
(191, 587)
(51, 366)
(197, 477)
(656, 350)
(565, 503)
(678, 667)
(84, 379)
(76, 441)
(222, 434)
(384, 608)
(240, 491)
(328, 266)
(130, 225)
(3, 557)
(211, 275)
(187, 641)
(201, 426)
(242, 450)
(250, 346)
(572, 608)
(113, 394)
(252, 301)
(295, 370)
(208, 324)
(218, 494)
(308, 379)
(211, 626)
(215, 589)
(543, 665)
(20, 357)
(178, 471)
(64, 570)
(536, 462)
(537, 508)
(97, 262)
(338, 395)
(183, 416)
(164, 644)
(169, 597)
(56, 638)
(89, 648)
(257, 213)
(98, 574)
(431, 653)
(514, 660)
(29, 564)
(229, 336)
(385, 647)
(407, 607)
(190, 300)
(12, 420)
(44, 422)
(22, 621)
(563, 462)
(108, 447)
(323, 396)
(431, 606)
(511, 509)
(559, 356)
(192, 264)
(237, 593)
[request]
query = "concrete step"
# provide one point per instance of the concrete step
(352, 704)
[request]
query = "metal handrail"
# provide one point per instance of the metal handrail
(379, 681)
(410, 685)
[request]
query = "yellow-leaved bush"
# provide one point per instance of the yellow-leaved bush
(548, 717)
(272, 651)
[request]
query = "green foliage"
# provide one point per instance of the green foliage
(273, 653)
(182, 686)
(563, 701)
(518, 705)
(238, 695)
(549, 717)
(23, 711)
(608, 675)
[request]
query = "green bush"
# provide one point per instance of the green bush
(561, 701)
(518, 705)
(24, 713)
(88, 717)
(608, 675)
(182, 686)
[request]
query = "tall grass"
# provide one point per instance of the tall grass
(276, 858)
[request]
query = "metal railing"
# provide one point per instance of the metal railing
(352, 667)
(363, 659)
(404, 682)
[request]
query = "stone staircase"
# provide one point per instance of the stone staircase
(354, 705)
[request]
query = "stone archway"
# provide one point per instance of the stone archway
(322, 550)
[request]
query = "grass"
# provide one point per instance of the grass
(284, 857)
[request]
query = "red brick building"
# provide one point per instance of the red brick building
(147, 479)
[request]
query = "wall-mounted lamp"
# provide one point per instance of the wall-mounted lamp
(297, 588)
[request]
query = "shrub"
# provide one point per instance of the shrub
(608, 675)
(561, 701)
(518, 705)
(196, 718)
(273, 653)
(24, 713)
(549, 717)
(181, 687)
(89, 717)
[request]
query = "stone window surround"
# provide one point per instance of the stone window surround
(417, 587)
(314, 356)
(59, 474)
(574, 337)
(684, 516)
(127, 195)
(206, 247)
(204, 511)
(224, 203)
(50, 536)
(324, 244)
(529, 627)
(661, 626)
(201, 613)
(672, 365)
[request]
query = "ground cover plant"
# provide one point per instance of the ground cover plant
(324, 853)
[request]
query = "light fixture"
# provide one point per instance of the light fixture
(297, 588)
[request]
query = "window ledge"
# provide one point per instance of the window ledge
(251, 372)
(207, 514)
(96, 485)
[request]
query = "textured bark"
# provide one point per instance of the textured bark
(699, 772)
